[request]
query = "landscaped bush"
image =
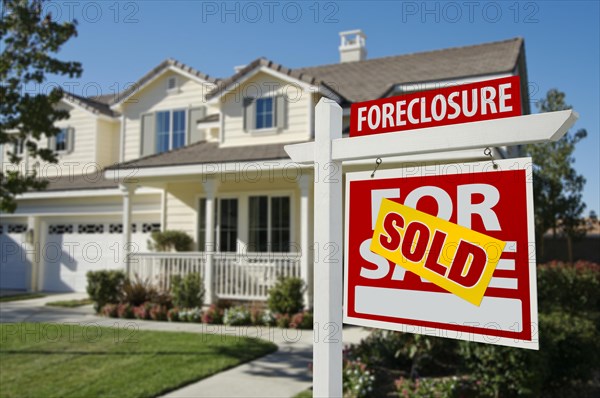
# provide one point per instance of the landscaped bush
(104, 287)
(213, 315)
(110, 310)
(173, 315)
(191, 315)
(142, 311)
(125, 310)
(237, 316)
(187, 292)
(302, 320)
(164, 241)
(158, 312)
(443, 387)
(287, 296)
(137, 292)
(358, 380)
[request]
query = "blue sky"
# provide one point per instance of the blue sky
(120, 41)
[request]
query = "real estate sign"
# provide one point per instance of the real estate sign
(465, 103)
(445, 250)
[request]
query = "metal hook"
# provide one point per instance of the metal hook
(488, 152)
(377, 163)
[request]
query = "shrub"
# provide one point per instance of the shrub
(142, 311)
(103, 287)
(137, 292)
(444, 387)
(158, 312)
(213, 315)
(358, 380)
(282, 321)
(257, 314)
(302, 320)
(286, 296)
(173, 314)
(573, 288)
(237, 316)
(125, 310)
(191, 315)
(187, 292)
(164, 241)
(110, 310)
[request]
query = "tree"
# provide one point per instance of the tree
(29, 41)
(557, 186)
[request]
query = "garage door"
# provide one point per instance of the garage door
(74, 248)
(14, 267)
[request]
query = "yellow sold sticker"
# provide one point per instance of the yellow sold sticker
(453, 257)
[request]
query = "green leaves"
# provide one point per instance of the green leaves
(29, 39)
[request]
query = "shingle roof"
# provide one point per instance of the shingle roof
(91, 104)
(157, 70)
(207, 152)
(210, 118)
(373, 78)
(77, 182)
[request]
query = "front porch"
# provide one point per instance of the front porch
(232, 276)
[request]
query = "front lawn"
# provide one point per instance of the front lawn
(50, 360)
(21, 296)
(70, 303)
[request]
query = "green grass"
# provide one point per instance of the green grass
(50, 360)
(70, 303)
(21, 296)
(304, 394)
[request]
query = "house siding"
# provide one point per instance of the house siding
(154, 98)
(265, 85)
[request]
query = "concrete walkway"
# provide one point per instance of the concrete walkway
(283, 373)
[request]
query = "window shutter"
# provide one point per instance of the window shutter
(195, 114)
(249, 114)
(280, 104)
(52, 143)
(148, 138)
(70, 139)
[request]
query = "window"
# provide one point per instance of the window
(225, 231)
(61, 140)
(264, 113)
(19, 147)
(228, 216)
(170, 135)
(269, 226)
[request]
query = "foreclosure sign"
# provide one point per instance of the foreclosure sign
(445, 250)
(485, 100)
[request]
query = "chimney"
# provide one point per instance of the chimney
(353, 46)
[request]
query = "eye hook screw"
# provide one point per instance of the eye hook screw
(378, 161)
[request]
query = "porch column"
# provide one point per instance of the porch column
(127, 191)
(33, 251)
(209, 185)
(306, 271)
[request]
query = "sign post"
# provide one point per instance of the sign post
(327, 153)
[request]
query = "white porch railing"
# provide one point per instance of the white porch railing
(159, 268)
(250, 276)
(235, 276)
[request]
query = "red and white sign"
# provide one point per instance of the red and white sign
(485, 100)
(497, 203)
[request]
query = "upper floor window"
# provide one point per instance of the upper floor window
(19, 147)
(172, 86)
(267, 114)
(63, 141)
(264, 113)
(170, 130)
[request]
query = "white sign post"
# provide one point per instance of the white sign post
(327, 153)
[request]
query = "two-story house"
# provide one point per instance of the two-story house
(181, 150)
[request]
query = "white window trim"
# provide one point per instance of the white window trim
(171, 126)
(243, 197)
(266, 131)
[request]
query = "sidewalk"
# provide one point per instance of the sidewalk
(283, 373)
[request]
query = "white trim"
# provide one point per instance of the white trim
(82, 193)
(81, 214)
(207, 125)
(438, 84)
(200, 169)
(281, 76)
(172, 68)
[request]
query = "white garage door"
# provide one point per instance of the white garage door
(14, 267)
(74, 248)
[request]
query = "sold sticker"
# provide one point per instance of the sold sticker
(453, 257)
